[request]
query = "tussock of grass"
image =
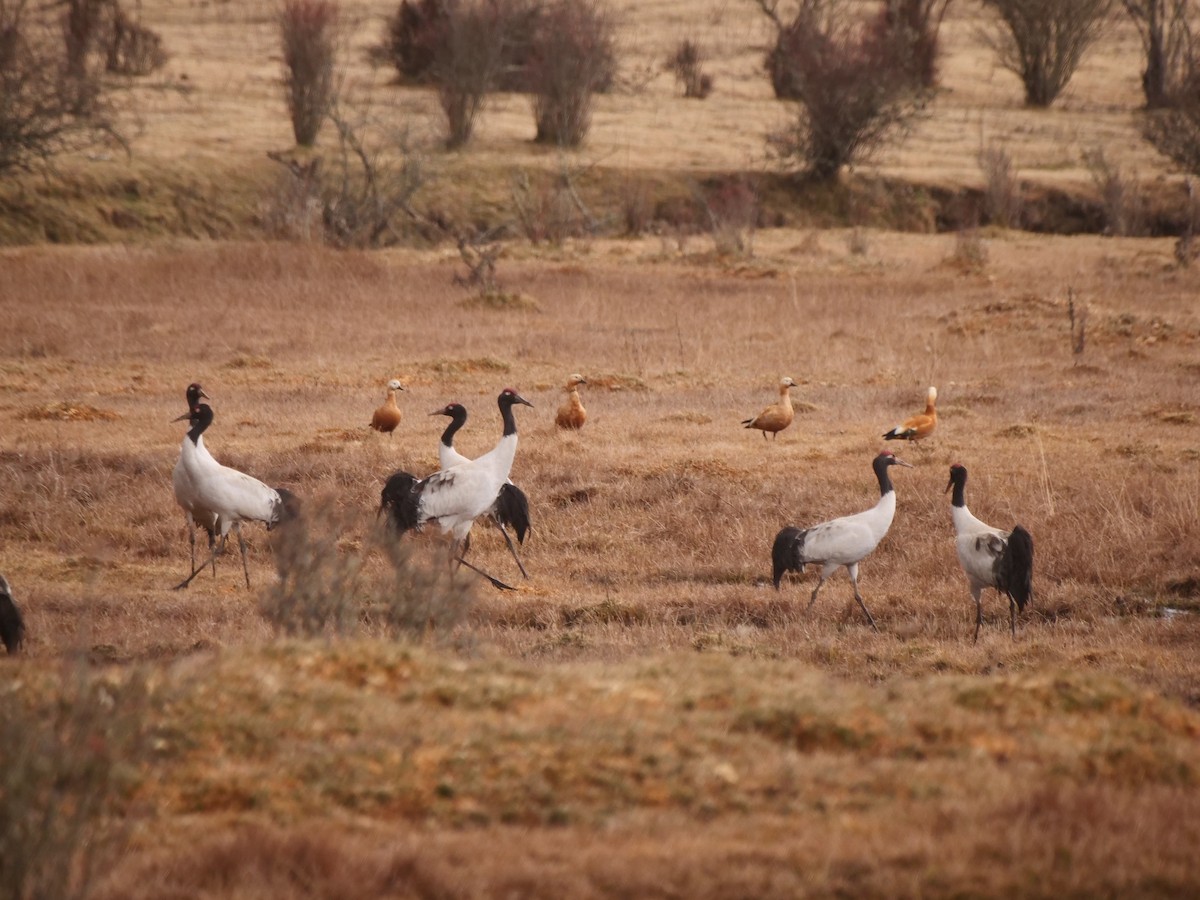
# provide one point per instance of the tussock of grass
(65, 411)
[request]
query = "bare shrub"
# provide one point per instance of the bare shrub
(910, 28)
(686, 64)
(573, 56)
(467, 60)
(132, 48)
(732, 210)
(858, 241)
(1077, 316)
(549, 208)
(1175, 131)
(326, 589)
(417, 34)
(52, 100)
(72, 752)
(637, 207)
(360, 196)
(1186, 247)
(1002, 191)
(308, 33)
(970, 253)
(1043, 42)
(1165, 31)
(854, 92)
(412, 37)
(83, 24)
(1121, 197)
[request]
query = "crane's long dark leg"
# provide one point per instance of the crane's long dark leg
(511, 548)
(214, 552)
(1012, 617)
(857, 596)
(496, 582)
(813, 599)
(237, 526)
(456, 556)
(977, 593)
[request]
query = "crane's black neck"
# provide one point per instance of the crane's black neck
(457, 419)
(506, 412)
(958, 478)
(202, 417)
(882, 465)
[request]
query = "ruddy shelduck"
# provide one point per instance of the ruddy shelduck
(388, 416)
(918, 427)
(777, 416)
(572, 414)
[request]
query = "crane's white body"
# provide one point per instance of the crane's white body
(980, 547)
(456, 496)
(845, 541)
(220, 494)
(989, 556)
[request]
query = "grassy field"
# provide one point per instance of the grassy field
(645, 715)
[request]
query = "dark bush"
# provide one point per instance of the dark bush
(573, 57)
(416, 35)
(687, 66)
(52, 100)
(1043, 42)
(854, 91)
(308, 32)
(907, 31)
(1166, 33)
(133, 49)
(467, 62)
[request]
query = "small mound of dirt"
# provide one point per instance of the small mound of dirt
(64, 411)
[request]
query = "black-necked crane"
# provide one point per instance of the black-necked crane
(186, 494)
(511, 509)
(12, 626)
(990, 557)
(454, 498)
(777, 416)
(571, 415)
(918, 427)
(232, 497)
(387, 416)
(840, 542)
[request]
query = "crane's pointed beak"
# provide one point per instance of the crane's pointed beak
(949, 484)
(204, 395)
(521, 399)
(901, 462)
(186, 415)
(438, 412)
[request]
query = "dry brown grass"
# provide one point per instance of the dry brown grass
(645, 694)
(645, 716)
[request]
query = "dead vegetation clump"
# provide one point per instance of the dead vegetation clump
(376, 587)
(74, 749)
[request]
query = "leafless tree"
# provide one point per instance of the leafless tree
(308, 33)
(572, 58)
(1165, 29)
(468, 57)
(1043, 41)
(51, 102)
(855, 92)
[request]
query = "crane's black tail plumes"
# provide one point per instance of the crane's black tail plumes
(787, 553)
(399, 499)
(512, 510)
(1015, 576)
(12, 626)
(286, 510)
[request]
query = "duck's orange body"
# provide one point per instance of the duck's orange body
(777, 416)
(571, 414)
(388, 416)
(918, 427)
